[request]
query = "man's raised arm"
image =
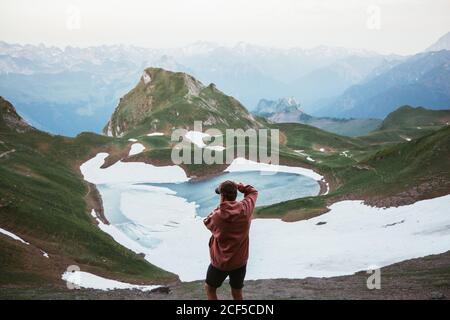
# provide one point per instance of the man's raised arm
(250, 196)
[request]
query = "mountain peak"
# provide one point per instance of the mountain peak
(443, 43)
(10, 118)
(163, 100)
(269, 107)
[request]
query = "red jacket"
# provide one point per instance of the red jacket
(229, 224)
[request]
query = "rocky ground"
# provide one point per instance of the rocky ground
(422, 278)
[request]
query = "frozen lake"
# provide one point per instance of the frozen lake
(155, 211)
(144, 210)
(273, 188)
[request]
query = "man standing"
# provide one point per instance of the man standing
(229, 224)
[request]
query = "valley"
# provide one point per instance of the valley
(89, 201)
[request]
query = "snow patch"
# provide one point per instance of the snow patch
(215, 148)
(135, 172)
(15, 237)
(118, 235)
(136, 148)
(242, 164)
(300, 152)
(146, 78)
(12, 235)
(328, 188)
(91, 281)
(109, 131)
(353, 237)
(196, 138)
(345, 154)
(166, 206)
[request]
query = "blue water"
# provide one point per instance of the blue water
(273, 188)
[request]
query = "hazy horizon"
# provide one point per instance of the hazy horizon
(399, 27)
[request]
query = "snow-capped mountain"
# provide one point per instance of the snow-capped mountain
(269, 107)
(443, 43)
(85, 84)
(421, 80)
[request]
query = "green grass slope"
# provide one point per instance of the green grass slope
(407, 123)
(163, 100)
(401, 173)
(407, 116)
(345, 127)
(386, 174)
(43, 199)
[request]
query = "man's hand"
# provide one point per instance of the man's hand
(240, 186)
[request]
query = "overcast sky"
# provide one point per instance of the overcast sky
(399, 26)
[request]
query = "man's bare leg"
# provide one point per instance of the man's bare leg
(211, 292)
(237, 294)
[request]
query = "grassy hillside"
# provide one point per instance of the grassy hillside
(43, 199)
(163, 100)
(407, 123)
(345, 127)
(407, 116)
(382, 168)
(403, 172)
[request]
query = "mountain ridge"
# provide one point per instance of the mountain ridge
(45, 83)
(420, 80)
(163, 100)
(280, 111)
(11, 119)
(443, 43)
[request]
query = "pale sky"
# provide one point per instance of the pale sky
(398, 26)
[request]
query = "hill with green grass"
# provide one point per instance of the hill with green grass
(407, 123)
(407, 117)
(163, 100)
(401, 173)
(45, 201)
(386, 174)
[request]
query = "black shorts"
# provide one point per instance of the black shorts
(215, 277)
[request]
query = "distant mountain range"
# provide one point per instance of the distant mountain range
(70, 90)
(443, 43)
(421, 80)
(49, 85)
(287, 110)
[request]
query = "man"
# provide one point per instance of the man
(229, 224)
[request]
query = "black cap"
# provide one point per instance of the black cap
(228, 189)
